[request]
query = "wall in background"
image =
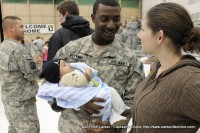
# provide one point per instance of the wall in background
(44, 11)
(147, 4)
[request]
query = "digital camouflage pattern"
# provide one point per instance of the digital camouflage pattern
(22, 116)
(117, 65)
(129, 35)
(18, 87)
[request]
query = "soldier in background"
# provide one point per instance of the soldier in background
(37, 46)
(129, 35)
(18, 70)
(118, 66)
(118, 35)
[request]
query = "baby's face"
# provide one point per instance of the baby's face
(65, 68)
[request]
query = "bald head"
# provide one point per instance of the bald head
(9, 21)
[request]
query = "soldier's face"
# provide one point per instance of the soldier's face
(107, 22)
(65, 68)
(18, 30)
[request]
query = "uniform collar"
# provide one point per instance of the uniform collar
(87, 48)
(13, 40)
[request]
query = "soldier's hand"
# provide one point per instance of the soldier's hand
(88, 71)
(89, 129)
(91, 108)
(37, 59)
(55, 107)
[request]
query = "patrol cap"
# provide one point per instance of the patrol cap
(51, 71)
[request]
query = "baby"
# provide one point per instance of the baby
(75, 84)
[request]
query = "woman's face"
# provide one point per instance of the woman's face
(148, 39)
(65, 68)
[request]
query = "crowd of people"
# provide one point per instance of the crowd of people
(168, 98)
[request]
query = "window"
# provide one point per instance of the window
(41, 1)
(130, 3)
(86, 2)
(57, 1)
(14, 1)
(31, 1)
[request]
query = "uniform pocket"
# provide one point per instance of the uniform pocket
(14, 104)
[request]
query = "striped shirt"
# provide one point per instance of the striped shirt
(74, 97)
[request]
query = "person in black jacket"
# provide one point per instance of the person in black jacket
(73, 27)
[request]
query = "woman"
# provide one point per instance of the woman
(167, 101)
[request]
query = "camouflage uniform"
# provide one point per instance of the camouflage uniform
(117, 65)
(18, 87)
(129, 36)
(118, 35)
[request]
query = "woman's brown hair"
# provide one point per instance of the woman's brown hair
(176, 24)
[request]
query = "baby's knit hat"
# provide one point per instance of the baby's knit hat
(51, 71)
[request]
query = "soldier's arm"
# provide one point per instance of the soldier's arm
(26, 64)
(70, 48)
(92, 108)
(63, 53)
(135, 76)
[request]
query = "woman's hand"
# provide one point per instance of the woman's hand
(97, 127)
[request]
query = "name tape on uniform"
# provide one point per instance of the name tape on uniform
(118, 62)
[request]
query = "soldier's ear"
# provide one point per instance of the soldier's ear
(92, 17)
(11, 27)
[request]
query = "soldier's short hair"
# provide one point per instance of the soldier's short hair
(104, 2)
(9, 20)
(68, 6)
